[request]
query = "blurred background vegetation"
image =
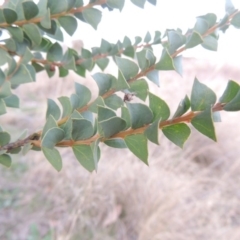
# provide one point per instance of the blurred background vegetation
(184, 194)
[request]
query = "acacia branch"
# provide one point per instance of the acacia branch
(208, 32)
(77, 62)
(185, 118)
(19, 143)
(54, 16)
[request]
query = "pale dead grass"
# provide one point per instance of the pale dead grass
(185, 194)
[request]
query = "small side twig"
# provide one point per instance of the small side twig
(20, 142)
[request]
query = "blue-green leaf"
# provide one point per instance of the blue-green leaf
(126, 116)
(147, 38)
(46, 21)
(16, 33)
(121, 82)
(96, 152)
(50, 123)
(236, 20)
(53, 109)
(30, 9)
(139, 3)
(103, 81)
(175, 40)
(69, 24)
(5, 89)
(157, 38)
(5, 57)
(5, 160)
(116, 143)
(140, 114)
(142, 60)
(128, 68)
(229, 7)
(201, 26)
(102, 63)
(2, 107)
(193, 40)
(116, 4)
(113, 102)
(94, 105)
(159, 107)
(12, 101)
(140, 88)
(152, 131)
(112, 126)
(105, 113)
(211, 19)
(210, 43)
(66, 106)
(54, 157)
(230, 92)
(202, 96)
(10, 15)
(68, 60)
(203, 122)
(33, 33)
(81, 129)
(177, 133)
(234, 104)
(84, 94)
(84, 155)
(52, 137)
(4, 138)
(92, 16)
(105, 47)
(137, 144)
(22, 75)
(154, 77)
(67, 128)
(55, 52)
(183, 107)
(166, 61)
(56, 7)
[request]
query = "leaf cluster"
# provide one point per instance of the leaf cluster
(35, 31)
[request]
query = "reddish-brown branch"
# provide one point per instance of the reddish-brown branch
(186, 118)
(53, 16)
(19, 143)
(207, 33)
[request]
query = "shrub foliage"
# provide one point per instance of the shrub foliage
(35, 31)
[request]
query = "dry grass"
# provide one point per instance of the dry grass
(185, 194)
